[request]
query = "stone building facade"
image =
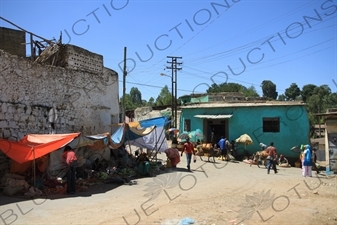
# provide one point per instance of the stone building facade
(38, 98)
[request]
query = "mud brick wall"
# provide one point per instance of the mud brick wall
(83, 101)
(13, 41)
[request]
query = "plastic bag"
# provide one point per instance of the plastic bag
(186, 221)
(195, 158)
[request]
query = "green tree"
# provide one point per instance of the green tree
(292, 92)
(269, 89)
(307, 91)
(151, 102)
(128, 103)
(214, 88)
(136, 96)
(320, 100)
(133, 100)
(322, 91)
(281, 97)
(314, 104)
(331, 100)
(164, 98)
(233, 87)
(226, 87)
(251, 92)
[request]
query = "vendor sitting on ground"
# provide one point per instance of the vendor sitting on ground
(143, 164)
(173, 155)
(283, 161)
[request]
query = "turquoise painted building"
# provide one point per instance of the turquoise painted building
(285, 123)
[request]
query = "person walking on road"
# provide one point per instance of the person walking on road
(272, 156)
(188, 148)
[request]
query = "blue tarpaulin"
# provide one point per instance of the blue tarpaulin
(149, 134)
(158, 121)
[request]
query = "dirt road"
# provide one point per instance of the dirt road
(213, 193)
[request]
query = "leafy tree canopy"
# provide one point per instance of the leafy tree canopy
(269, 89)
(292, 92)
(282, 97)
(307, 91)
(136, 96)
(129, 105)
(322, 90)
(165, 97)
(320, 100)
(150, 102)
(233, 87)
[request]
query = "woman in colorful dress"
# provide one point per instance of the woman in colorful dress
(307, 162)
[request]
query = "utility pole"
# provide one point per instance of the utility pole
(124, 88)
(174, 67)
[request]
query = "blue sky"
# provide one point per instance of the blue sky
(243, 41)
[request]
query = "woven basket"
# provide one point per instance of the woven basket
(298, 164)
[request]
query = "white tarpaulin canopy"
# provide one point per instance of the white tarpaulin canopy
(155, 140)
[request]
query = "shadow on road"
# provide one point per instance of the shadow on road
(92, 190)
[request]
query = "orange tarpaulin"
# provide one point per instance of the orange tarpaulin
(134, 124)
(33, 146)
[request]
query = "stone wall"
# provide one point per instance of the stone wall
(13, 41)
(226, 96)
(34, 98)
(143, 113)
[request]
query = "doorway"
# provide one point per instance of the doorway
(216, 129)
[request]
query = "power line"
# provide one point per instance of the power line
(152, 86)
(243, 48)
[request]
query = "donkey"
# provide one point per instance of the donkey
(260, 156)
(213, 153)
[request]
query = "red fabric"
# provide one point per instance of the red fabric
(69, 157)
(188, 148)
(175, 161)
(172, 153)
(33, 146)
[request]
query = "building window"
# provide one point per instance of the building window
(271, 124)
(187, 125)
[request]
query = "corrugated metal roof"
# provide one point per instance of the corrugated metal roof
(213, 116)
